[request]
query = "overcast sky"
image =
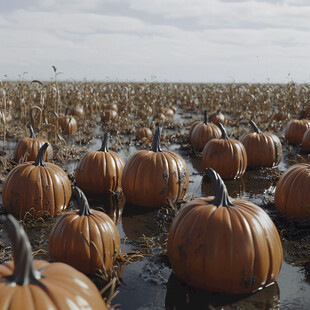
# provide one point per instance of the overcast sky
(164, 40)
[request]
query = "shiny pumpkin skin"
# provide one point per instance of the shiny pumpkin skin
(227, 157)
(40, 190)
(150, 178)
(234, 249)
(217, 117)
(99, 172)
(144, 132)
(108, 115)
(28, 148)
(202, 133)
(67, 242)
(263, 149)
(68, 125)
(292, 195)
(305, 142)
(66, 289)
(168, 113)
(77, 111)
(295, 130)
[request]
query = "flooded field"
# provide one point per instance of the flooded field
(147, 281)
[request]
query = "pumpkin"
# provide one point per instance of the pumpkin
(28, 148)
(216, 117)
(111, 106)
(219, 244)
(5, 117)
(36, 188)
(168, 113)
(108, 115)
(226, 156)
(263, 149)
(292, 195)
(77, 110)
(39, 285)
(202, 133)
(144, 133)
(305, 142)
(152, 177)
(68, 124)
(295, 130)
(100, 172)
(86, 239)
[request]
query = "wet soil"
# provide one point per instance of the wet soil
(148, 282)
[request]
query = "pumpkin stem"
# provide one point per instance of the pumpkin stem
(104, 145)
(32, 135)
(221, 195)
(206, 117)
(254, 126)
(40, 157)
(156, 140)
(223, 130)
(24, 271)
(82, 202)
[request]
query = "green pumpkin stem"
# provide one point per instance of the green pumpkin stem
(156, 140)
(254, 126)
(24, 271)
(104, 145)
(223, 130)
(32, 135)
(40, 157)
(221, 195)
(206, 117)
(82, 202)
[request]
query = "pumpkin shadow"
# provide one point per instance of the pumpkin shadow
(112, 205)
(180, 296)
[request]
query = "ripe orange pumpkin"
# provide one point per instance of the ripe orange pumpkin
(168, 113)
(108, 115)
(217, 117)
(145, 133)
(226, 156)
(202, 133)
(151, 177)
(28, 148)
(263, 149)
(100, 172)
(224, 245)
(36, 284)
(86, 239)
(295, 129)
(292, 195)
(37, 188)
(305, 142)
(77, 110)
(68, 124)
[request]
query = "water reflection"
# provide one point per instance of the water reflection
(181, 296)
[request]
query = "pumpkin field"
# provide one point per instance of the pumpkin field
(158, 195)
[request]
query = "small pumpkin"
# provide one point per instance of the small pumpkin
(86, 239)
(36, 188)
(223, 244)
(168, 113)
(292, 195)
(100, 172)
(67, 123)
(202, 133)
(144, 133)
(226, 156)
(28, 148)
(263, 149)
(77, 110)
(108, 115)
(36, 284)
(295, 129)
(217, 117)
(151, 177)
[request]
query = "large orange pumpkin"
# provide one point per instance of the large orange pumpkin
(202, 133)
(292, 195)
(223, 244)
(263, 149)
(226, 156)
(37, 188)
(39, 285)
(152, 177)
(100, 172)
(28, 148)
(86, 239)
